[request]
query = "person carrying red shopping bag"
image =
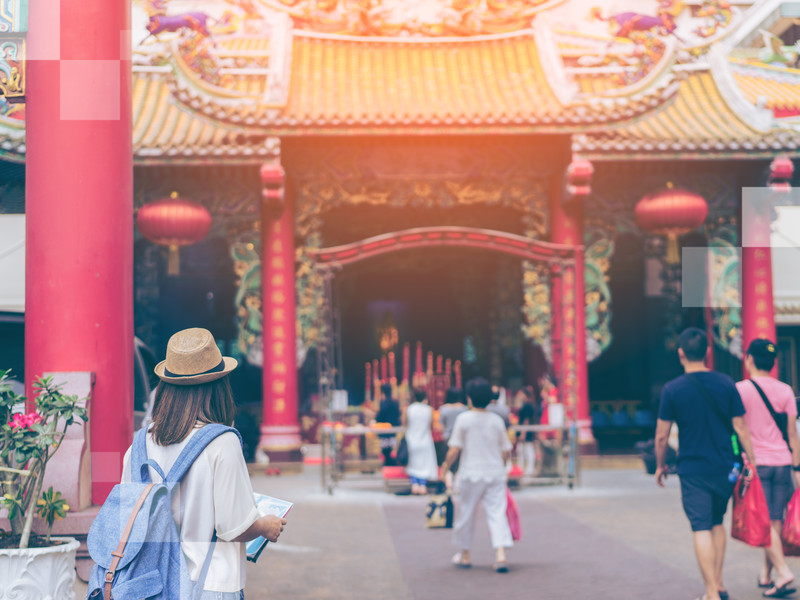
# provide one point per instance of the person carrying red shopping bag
(750, 520)
(770, 410)
(709, 413)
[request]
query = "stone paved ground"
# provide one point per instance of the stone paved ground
(616, 536)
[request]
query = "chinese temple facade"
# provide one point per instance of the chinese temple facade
(387, 172)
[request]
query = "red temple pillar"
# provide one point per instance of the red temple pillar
(280, 427)
(79, 208)
(758, 304)
(566, 227)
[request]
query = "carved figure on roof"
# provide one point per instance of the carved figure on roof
(717, 13)
(775, 53)
(11, 77)
(250, 10)
(155, 7)
(195, 21)
(422, 18)
(196, 54)
(626, 24)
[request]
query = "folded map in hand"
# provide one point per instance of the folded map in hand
(267, 505)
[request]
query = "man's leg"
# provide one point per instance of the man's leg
(704, 549)
(718, 533)
(775, 556)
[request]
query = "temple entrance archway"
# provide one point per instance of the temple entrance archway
(559, 259)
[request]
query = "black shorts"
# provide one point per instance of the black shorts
(705, 499)
(778, 488)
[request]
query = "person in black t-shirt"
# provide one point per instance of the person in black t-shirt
(707, 409)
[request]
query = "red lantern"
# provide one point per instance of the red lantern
(273, 178)
(173, 222)
(671, 212)
(579, 179)
(781, 170)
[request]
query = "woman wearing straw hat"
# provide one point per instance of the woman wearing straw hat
(216, 494)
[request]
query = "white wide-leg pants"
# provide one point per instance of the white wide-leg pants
(493, 496)
(528, 458)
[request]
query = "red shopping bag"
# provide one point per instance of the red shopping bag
(790, 534)
(790, 550)
(750, 514)
(512, 514)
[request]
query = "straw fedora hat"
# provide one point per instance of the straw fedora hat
(193, 357)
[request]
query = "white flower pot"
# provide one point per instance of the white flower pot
(39, 573)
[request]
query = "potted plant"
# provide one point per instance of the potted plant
(41, 566)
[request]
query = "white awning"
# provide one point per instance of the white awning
(12, 263)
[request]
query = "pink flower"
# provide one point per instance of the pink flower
(20, 421)
(32, 419)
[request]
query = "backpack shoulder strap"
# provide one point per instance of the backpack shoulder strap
(772, 412)
(198, 442)
(139, 460)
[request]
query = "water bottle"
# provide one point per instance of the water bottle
(735, 471)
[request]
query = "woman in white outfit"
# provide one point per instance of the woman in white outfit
(418, 421)
(480, 437)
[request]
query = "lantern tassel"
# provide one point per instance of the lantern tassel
(174, 261)
(673, 256)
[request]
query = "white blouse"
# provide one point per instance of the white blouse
(215, 494)
(482, 438)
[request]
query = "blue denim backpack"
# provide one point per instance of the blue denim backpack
(134, 541)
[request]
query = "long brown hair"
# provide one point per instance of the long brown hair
(177, 408)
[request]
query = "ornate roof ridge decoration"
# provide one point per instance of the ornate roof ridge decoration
(755, 18)
(425, 41)
(563, 86)
(405, 19)
(659, 77)
(764, 71)
(526, 106)
(759, 119)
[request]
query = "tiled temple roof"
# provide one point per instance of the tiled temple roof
(341, 85)
(699, 121)
(776, 88)
(504, 84)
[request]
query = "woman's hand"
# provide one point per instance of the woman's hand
(271, 527)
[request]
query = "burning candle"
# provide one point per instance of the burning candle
(430, 363)
(457, 370)
(439, 360)
(368, 386)
(392, 372)
(418, 368)
(448, 369)
(375, 372)
(383, 368)
(406, 361)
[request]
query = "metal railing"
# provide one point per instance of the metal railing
(560, 443)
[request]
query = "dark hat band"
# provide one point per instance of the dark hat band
(217, 369)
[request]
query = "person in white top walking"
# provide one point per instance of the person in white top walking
(418, 420)
(216, 494)
(480, 438)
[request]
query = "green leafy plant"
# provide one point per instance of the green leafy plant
(29, 436)
(51, 507)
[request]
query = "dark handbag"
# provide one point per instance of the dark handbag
(402, 452)
(439, 512)
(781, 419)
